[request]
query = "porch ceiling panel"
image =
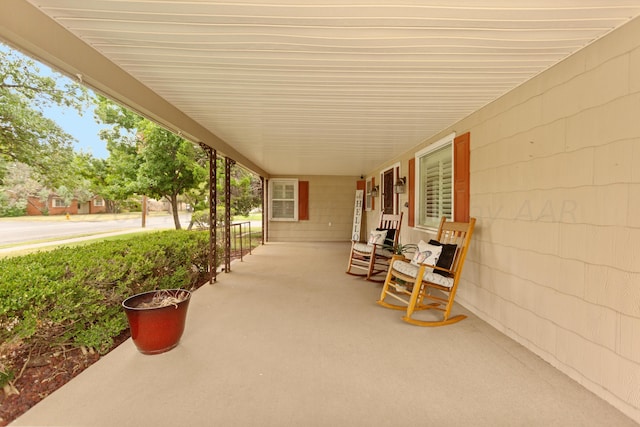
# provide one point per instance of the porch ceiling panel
(333, 87)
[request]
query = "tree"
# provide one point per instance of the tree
(18, 186)
(21, 185)
(117, 175)
(91, 177)
(99, 179)
(147, 159)
(245, 191)
(26, 134)
(168, 167)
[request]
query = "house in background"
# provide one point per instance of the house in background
(57, 206)
(95, 205)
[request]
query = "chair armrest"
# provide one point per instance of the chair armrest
(435, 267)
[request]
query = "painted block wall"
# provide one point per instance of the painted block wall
(331, 203)
(555, 187)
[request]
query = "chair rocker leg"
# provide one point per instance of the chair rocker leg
(442, 322)
(418, 305)
(356, 274)
(385, 304)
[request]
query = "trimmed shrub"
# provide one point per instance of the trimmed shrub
(73, 296)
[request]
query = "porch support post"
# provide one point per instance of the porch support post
(227, 213)
(264, 211)
(213, 214)
(213, 202)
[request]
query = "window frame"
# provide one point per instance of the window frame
(368, 205)
(425, 152)
(58, 202)
(283, 181)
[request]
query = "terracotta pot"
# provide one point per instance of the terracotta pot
(155, 330)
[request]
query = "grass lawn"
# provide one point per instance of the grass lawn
(256, 231)
(55, 243)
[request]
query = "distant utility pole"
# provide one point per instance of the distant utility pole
(144, 211)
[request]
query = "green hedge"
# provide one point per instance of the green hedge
(74, 295)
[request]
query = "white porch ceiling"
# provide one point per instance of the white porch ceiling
(334, 87)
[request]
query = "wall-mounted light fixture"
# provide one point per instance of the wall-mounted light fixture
(400, 184)
(374, 191)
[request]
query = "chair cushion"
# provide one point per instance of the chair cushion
(426, 254)
(363, 247)
(412, 270)
(376, 237)
(446, 257)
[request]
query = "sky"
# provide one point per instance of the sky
(82, 127)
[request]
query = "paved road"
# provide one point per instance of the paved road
(25, 231)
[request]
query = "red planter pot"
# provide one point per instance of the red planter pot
(155, 330)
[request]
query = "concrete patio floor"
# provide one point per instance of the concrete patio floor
(288, 339)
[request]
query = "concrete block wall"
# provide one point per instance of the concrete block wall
(331, 204)
(555, 187)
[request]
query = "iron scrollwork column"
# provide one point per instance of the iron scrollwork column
(264, 210)
(213, 202)
(213, 212)
(227, 213)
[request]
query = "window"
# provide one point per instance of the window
(283, 200)
(98, 202)
(434, 183)
(58, 203)
(368, 206)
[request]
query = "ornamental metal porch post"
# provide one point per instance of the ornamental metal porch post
(213, 214)
(264, 212)
(213, 202)
(227, 213)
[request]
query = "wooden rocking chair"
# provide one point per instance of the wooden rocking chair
(373, 256)
(420, 286)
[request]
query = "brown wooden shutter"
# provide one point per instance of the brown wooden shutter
(461, 184)
(303, 200)
(412, 192)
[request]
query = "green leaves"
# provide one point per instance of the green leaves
(26, 134)
(147, 159)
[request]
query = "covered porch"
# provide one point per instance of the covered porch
(288, 339)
